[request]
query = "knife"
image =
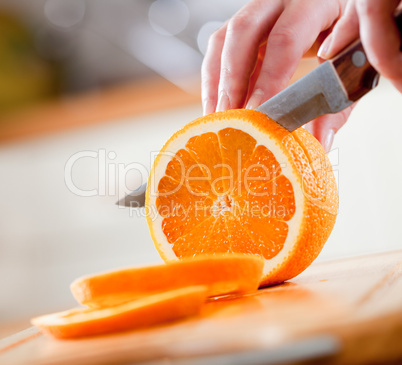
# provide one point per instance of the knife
(330, 88)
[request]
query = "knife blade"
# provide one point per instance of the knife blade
(136, 199)
(328, 89)
(319, 92)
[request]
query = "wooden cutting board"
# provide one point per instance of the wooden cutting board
(348, 311)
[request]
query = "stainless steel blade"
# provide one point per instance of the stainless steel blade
(136, 199)
(317, 93)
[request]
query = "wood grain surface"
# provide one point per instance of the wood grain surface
(349, 310)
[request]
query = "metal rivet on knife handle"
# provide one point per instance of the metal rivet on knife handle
(362, 78)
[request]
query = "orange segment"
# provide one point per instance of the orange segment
(184, 169)
(261, 168)
(147, 311)
(218, 239)
(241, 240)
(268, 234)
(184, 244)
(172, 194)
(221, 274)
(274, 199)
(184, 221)
(205, 150)
(236, 148)
(271, 193)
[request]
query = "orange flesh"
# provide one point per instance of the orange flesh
(242, 206)
(147, 311)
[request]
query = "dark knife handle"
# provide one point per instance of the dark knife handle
(353, 68)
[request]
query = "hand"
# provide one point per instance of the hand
(253, 56)
(374, 21)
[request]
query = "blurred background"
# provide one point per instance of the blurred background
(53, 47)
(89, 91)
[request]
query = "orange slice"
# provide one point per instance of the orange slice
(147, 311)
(236, 181)
(222, 274)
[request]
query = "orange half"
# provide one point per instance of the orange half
(238, 182)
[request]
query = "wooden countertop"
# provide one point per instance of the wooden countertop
(349, 311)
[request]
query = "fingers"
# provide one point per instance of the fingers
(374, 21)
(245, 33)
(231, 66)
(324, 128)
(312, 52)
(293, 34)
(210, 71)
(380, 36)
(345, 31)
(232, 54)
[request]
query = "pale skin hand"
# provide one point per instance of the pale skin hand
(373, 21)
(254, 55)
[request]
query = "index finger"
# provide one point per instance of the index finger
(380, 36)
(293, 34)
(246, 31)
(210, 70)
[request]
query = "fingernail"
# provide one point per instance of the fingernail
(223, 102)
(323, 50)
(255, 100)
(207, 107)
(308, 127)
(329, 138)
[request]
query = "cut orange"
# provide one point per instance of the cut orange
(237, 181)
(222, 274)
(147, 311)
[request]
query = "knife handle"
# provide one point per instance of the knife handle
(354, 70)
